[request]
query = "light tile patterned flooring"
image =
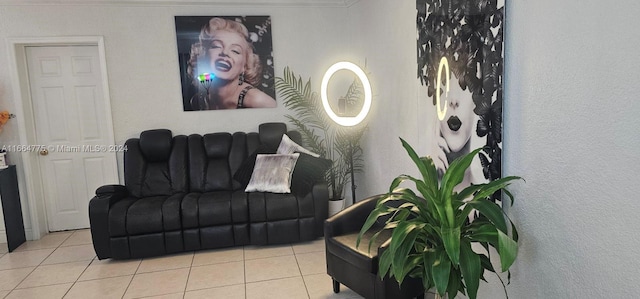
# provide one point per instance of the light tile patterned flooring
(63, 265)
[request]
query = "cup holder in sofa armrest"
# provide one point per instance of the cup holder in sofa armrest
(112, 189)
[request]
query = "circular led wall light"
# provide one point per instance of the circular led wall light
(347, 121)
(443, 63)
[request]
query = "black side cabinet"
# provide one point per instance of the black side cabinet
(11, 207)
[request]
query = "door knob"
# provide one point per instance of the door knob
(44, 152)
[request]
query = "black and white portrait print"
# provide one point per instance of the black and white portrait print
(461, 42)
(226, 62)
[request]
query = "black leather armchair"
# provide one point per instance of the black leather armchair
(357, 268)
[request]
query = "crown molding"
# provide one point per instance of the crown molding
(317, 3)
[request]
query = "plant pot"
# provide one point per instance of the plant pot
(335, 206)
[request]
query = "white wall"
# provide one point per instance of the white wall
(571, 130)
(142, 56)
(142, 60)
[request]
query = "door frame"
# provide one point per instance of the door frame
(33, 189)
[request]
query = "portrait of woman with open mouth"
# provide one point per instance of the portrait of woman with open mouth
(454, 134)
(467, 37)
(223, 64)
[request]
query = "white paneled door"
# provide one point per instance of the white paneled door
(75, 144)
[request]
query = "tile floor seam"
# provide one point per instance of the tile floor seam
(216, 287)
(246, 252)
(74, 283)
(301, 276)
(186, 285)
(244, 270)
(270, 279)
(162, 270)
(36, 267)
(16, 286)
(132, 278)
(44, 285)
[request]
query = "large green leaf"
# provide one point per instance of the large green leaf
(415, 158)
(440, 272)
(429, 209)
(485, 232)
(491, 187)
(508, 250)
(490, 210)
(455, 284)
(385, 260)
(486, 263)
(405, 194)
(379, 210)
(451, 241)
(455, 173)
(431, 179)
(471, 268)
(468, 192)
(401, 244)
(420, 185)
(428, 258)
(412, 265)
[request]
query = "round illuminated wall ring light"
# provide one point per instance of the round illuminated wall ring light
(443, 63)
(347, 121)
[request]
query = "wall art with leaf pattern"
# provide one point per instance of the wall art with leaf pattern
(460, 44)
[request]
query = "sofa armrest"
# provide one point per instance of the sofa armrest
(351, 219)
(99, 217)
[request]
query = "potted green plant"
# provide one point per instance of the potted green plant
(320, 134)
(432, 231)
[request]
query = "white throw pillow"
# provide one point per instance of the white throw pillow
(288, 146)
(272, 173)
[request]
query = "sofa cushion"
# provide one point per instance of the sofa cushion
(155, 145)
(288, 146)
(308, 171)
(154, 214)
(118, 216)
(344, 246)
(243, 174)
(271, 133)
(209, 168)
(272, 173)
(265, 206)
(214, 208)
(148, 173)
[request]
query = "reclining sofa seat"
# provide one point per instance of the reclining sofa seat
(142, 218)
(180, 195)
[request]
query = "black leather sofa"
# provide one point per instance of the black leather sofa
(180, 195)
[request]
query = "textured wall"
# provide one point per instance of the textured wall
(571, 129)
(142, 62)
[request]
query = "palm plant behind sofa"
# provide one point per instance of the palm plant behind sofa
(320, 133)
